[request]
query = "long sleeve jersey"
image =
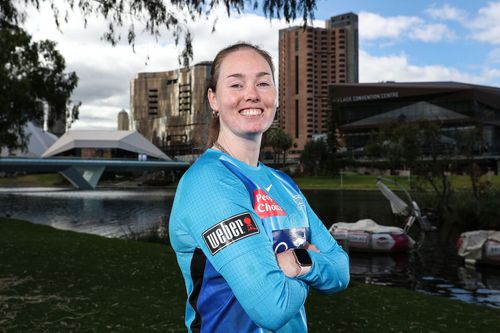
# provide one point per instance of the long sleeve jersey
(227, 223)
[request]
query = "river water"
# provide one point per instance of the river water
(434, 269)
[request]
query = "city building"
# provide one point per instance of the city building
(170, 109)
(123, 121)
(310, 60)
(359, 110)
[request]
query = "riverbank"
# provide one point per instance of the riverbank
(354, 181)
(53, 280)
(35, 180)
(57, 180)
(346, 181)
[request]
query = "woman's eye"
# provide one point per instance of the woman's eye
(263, 84)
(236, 85)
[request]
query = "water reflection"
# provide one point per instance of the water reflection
(435, 269)
(386, 270)
(107, 212)
(480, 285)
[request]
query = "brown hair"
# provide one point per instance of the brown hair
(214, 127)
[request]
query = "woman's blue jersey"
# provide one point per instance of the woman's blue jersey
(228, 221)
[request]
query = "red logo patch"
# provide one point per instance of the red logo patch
(265, 206)
(249, 223)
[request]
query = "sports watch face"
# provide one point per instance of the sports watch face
(303, 257)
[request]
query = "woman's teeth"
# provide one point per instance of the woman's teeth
(251, 112)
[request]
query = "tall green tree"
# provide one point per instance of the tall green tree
(418, 146)
(315, 157)
(286, 144)
(158, 15)
(280, 142)
(403, 144)
(31, 73)
(471, 148)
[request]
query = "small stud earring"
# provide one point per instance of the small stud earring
(215, 114)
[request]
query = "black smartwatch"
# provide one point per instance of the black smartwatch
(303, 259)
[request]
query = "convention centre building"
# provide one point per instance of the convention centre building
(359, 111)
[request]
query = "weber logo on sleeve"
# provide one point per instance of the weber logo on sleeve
(229, 231)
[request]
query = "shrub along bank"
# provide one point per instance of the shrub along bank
(62, 281)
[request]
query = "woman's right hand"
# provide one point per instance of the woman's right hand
(287, 263)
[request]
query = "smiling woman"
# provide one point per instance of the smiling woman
(242, 95)
(247, 242)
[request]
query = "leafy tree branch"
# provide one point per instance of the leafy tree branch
(156, 15)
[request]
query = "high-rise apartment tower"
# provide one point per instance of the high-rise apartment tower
(309, 61)
(170, 109)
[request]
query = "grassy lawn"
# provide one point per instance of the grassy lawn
(61, 281)
(353, 181)
(42, 180)
(347, 181)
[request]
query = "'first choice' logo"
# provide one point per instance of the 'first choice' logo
(265, 206)
(229, 231)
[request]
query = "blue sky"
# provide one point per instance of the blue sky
(401, 41)
(452, 33)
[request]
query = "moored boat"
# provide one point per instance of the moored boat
(368, 236)
(480, 247)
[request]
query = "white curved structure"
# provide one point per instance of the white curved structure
(91, 145)
(130, 141)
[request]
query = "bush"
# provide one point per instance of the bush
(469, 213)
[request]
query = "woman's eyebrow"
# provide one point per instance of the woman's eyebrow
(240, 75)
(260, 74)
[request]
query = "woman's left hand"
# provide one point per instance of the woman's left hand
(311, 247)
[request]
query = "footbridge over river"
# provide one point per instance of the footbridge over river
(84, 174)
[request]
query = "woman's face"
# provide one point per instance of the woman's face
(245, 95)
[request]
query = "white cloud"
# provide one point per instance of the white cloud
(398, 68)
(105, 71)
(446, 12)
(494, 56)
(491, 76)
(432, 33)
(97, 117)
(245, 27)
(374, 26)
(486, 26)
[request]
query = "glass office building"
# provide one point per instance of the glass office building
(359, 111)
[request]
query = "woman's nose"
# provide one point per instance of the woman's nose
(251, 93)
